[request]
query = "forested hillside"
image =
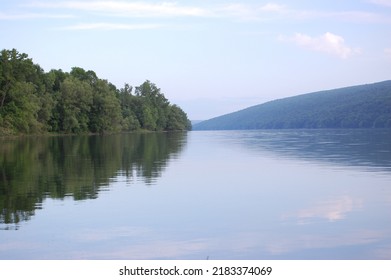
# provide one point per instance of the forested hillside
(32, 101)
(364, 106)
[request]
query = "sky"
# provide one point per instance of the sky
(209, 57)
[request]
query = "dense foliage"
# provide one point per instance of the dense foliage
(365, 106)
(32, 101)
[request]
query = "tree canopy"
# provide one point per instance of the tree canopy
(35, 101)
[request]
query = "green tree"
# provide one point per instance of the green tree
(177, 119)
(128, 109)
(83, 75)
(19, 83)
(156, 112)
(32, 101)
(149, 117)
(75, 105)
(106, 109)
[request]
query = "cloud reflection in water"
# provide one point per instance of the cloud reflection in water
(329, 210)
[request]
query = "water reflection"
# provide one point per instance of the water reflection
(35, 168)
(330, 210)
(228, 195)
(369, 148)
(327, 246)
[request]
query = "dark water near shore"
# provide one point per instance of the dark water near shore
(268, 194)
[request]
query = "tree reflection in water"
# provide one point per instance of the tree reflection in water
(33, 169)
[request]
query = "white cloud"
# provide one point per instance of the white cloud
(358, 16)
(251, 12)
(137, 9)
(386, 3)
(239, 11)
(110, 26)
(328, 43)
(273, 11)
(268, 11)
(166, 9)
(272, 7)
(23, 16)
(387, 51)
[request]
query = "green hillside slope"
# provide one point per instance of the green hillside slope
(364, 106)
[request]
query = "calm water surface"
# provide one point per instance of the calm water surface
(273, 194)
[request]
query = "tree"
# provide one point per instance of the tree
(75, 105)
(149, 117)
(128, 109)
(156, 109)
(83, 75)
(32, 101)
(177, 119)
(106, 110)
(19, 82)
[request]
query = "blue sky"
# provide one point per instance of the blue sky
(209, 57)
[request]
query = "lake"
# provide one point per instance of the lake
(266, 194)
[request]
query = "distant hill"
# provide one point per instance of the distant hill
(194, 122)
(363, 106)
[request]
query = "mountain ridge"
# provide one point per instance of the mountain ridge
(360, 106)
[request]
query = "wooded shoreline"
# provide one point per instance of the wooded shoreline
(33, 101)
